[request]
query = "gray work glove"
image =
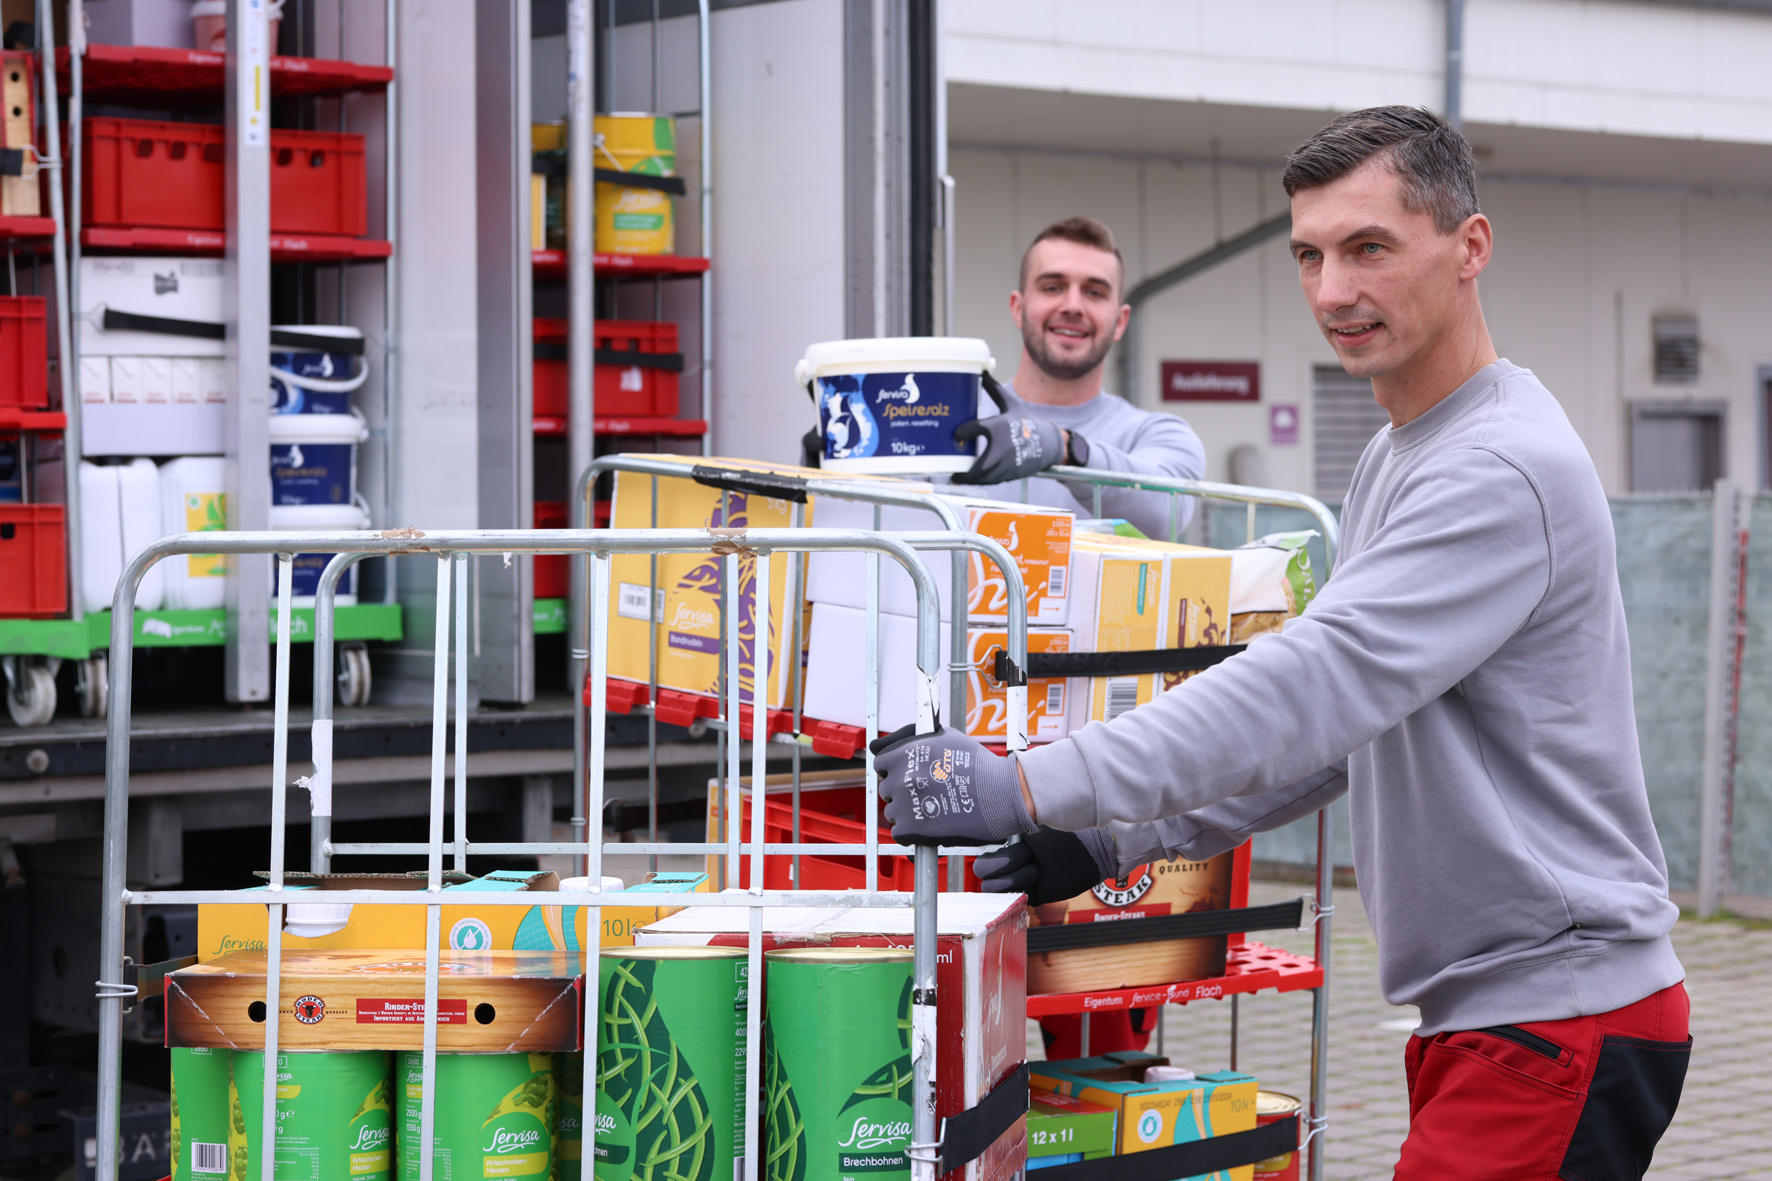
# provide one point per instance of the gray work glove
(947, 789)
(1050, 865)
(1016, 447)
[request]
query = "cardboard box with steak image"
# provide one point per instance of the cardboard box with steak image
(1148, 891)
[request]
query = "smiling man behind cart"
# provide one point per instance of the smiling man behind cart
(1464, 678)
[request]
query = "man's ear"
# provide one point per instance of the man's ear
(1121, 320)
(1477, 245)
(1015, 306)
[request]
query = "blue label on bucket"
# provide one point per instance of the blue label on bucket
(876, 415)
(291, 398)
(312, 473)
(304, 575)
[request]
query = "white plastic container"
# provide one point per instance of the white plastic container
(120, 515)
(332, 518)
(193, 500)
(890, 405)
(314, 381)
(209, 24)
(314, 459)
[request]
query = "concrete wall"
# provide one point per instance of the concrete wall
(1587, 65)
(1579, 271)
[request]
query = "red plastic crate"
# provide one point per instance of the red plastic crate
(622, 390)
(33, 561)
(145, 173)
(318, 185)
(24, 356)
(553, 572)
(837, 820)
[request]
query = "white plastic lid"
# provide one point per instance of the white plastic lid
(209, 8)
(610, 885)
(319, 516)
(311, 920)
(336, 331)
(890, 353)
(318, 428)
(1167, 1074)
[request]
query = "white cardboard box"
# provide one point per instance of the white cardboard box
(981, 985)
(1037, 536)
(126, 379)
(187, 380)
(95, 379)
(212, 378)
(156, 380)
(168, 288)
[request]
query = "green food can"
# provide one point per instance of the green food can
(569, 1082)
(837, 1064)
(494, 1115)
(200, 1117)
(670, 1064)
(333, 1117)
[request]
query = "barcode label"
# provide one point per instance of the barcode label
(630, 602)
(209, 1158)
(1055, 697)
(1055, 580)
(1122, 697)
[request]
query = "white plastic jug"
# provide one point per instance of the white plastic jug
(192, 500)
(120, 515)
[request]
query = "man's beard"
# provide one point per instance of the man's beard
(1034, 339)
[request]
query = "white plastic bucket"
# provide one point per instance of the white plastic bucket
(314, 458)
(313, 381)
(305, 576)
(890, 405)
(193, 500)
(119, 516)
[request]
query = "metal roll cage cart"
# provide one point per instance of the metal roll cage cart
(799, 490)
(452, 549)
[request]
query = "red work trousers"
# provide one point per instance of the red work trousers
(1584, 1099)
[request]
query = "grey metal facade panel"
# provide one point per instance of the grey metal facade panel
(504, 636)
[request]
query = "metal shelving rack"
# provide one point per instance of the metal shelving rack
(162, 77)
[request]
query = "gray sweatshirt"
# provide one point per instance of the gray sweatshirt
(1122, 438)
(1465, 677)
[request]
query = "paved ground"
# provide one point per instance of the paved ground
(1720, 1131)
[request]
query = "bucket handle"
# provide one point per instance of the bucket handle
(325, 385)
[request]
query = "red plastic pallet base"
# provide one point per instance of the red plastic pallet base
(1252, 967)
(684, 709)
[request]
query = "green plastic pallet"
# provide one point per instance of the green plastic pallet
(76, 640)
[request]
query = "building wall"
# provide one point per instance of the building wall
(1579, 271)
(1617, 66)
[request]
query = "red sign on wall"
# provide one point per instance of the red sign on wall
(1211, 381)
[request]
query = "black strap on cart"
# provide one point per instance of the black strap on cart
(1186, 1160)
(964, 1137)
(791, 488)
(114, 320)
(1116, 664)
(1280, 916)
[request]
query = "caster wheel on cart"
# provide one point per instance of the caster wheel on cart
(30, 692)
(353, 675)
(92, 680)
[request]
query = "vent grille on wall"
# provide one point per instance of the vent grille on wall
(1676, 348)
(1344, 417)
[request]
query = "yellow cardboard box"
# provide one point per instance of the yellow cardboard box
(686, 603)
(1156, 1115)
(1196, 597)
(1118, 606)
(227, 928)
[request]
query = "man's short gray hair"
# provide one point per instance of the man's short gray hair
(1426, 153)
